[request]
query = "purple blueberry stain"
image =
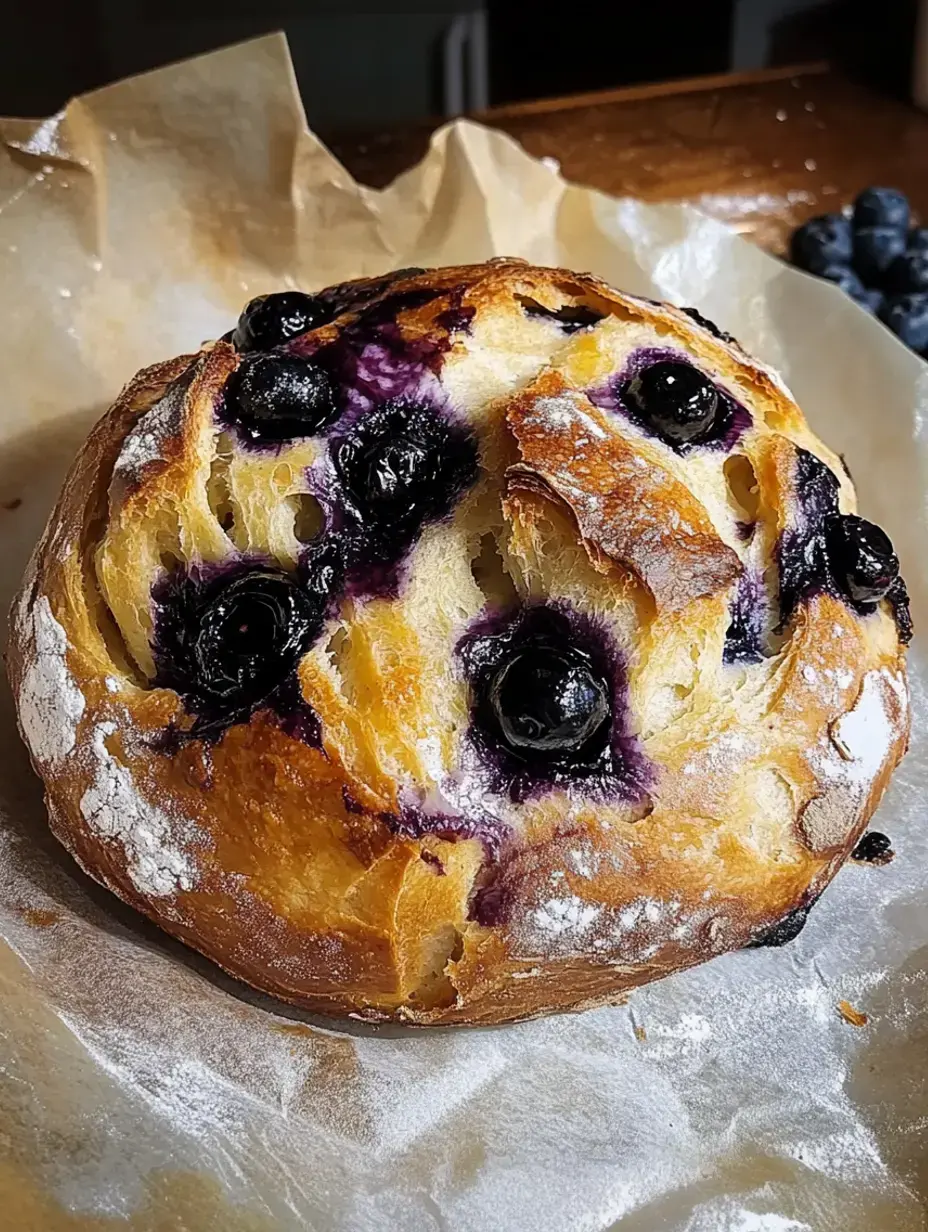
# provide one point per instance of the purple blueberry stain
(802, 560)
(415, 822)
(669, 398)
(745, 637)
(570, 318)
(550, 707)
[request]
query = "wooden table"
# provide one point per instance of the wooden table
(762, 151)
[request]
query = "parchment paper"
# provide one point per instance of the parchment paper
(140, 1088)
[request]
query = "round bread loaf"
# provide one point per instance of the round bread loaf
(461, 646)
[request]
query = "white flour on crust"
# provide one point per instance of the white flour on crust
(50, 703)
(113, 808)
(145, 443)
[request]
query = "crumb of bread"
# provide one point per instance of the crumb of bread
(849, 1014)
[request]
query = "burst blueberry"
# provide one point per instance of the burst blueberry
(273, 398)
(227, 644)
(269, 320)
(822, 241)
(548, 701)
(861, 557)
(674, 398)
(403, 465)
(873, 848)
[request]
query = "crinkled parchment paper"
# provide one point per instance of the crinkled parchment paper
(139, 1087)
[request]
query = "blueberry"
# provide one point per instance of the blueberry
(269, 320)
(918, 240)
(873, 848)
(676, 400)
(279, 397)
(861, 557)
(822, 241)
(882, 207)
(548, 700)
(250, 635)
(909, 271)
(784, 931)
(869, 298)
(875, 249)
(845, 278)
(403, 465)
(227, 644)
(907, 317)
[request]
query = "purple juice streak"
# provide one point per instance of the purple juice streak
(370, 360)
(802, 559)
(571, 318)
(898, 598)
(616, 771)
(734, 419)
(412, 822)
(744, 640)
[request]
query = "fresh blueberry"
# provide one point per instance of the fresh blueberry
(875, 249)
(677, 400)
(909, 271)
(278, 397)
(861, 557)
(869, 298)
(845, 278)
(882, 207)
(907, 317)
(918, 240)
(548, 701)
(269, 320)
(403, 465)
(822, 241)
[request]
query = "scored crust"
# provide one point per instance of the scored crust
(378, 871)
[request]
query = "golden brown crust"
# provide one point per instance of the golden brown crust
(290, 865)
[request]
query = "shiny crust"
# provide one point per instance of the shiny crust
(285, 863)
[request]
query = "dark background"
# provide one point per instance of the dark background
(376, 64)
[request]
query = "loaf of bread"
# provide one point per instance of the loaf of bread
(461, 646)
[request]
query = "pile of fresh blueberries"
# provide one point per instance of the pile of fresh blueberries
(876, 256)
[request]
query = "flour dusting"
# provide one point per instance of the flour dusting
(864, 736)
(50, 703)
(146, 442)
(113, 808)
